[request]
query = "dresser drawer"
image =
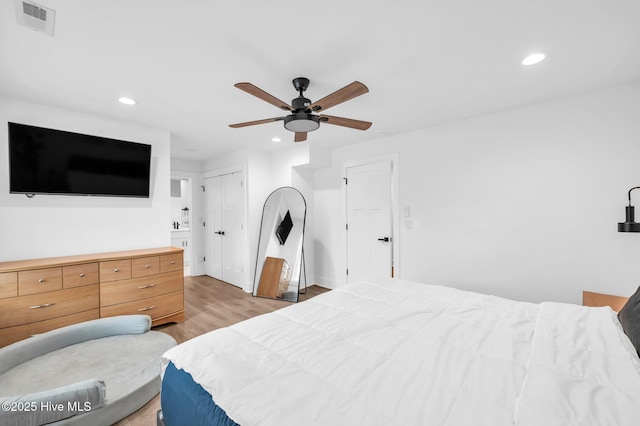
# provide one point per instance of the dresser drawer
(8, 284)
(43, 306)
(39, 281)
(116, 292)
(20, 332)
(171, 262)
(115, 270)
(144, 266)
(79, 275)
(155, 307)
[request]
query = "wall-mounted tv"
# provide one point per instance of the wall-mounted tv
(48, 161)
(283, 230)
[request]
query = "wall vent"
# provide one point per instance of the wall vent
(35, 16)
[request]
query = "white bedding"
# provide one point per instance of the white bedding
(404, 353)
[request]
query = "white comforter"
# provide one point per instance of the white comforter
(403, 353)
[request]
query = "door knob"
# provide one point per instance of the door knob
(385, 239)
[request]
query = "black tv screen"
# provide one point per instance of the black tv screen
(47, 161)
(283, 230)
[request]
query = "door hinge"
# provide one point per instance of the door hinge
(204, 258)
(346, 181)
(204, 223)
(347, 271)
(346, 226)
(202, 186)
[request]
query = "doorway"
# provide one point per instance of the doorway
(181, 203)
(224, 228)
(370, 239)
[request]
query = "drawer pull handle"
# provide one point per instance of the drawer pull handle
(173, 262)
(146, 286)
(41, 280)
(147, 266)
(116, 270)
(146, 309)
(81, 275)
(46, 305)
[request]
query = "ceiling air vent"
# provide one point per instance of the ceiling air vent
(35, 16)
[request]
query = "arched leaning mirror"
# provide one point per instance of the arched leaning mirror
(280, 259)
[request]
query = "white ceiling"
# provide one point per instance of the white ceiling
(425, 62)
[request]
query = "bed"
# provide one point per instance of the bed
(404, 353)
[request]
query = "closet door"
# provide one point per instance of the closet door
(224, 230)
(233, 226)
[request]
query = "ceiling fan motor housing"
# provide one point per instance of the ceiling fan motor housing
(300, 104)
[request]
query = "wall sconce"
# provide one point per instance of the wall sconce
(629, 224)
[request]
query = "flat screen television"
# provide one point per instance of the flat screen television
(48, 161)
(283, 230)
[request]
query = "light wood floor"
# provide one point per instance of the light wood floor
(210, 304)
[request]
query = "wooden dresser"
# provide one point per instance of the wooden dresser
(43, 294)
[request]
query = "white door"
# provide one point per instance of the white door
(233, 228)
(369, 229)
(213, 227)
(224, 229)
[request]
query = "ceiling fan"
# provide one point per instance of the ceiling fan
(302, 118)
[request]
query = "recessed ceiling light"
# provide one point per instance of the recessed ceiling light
(534, 58)
(276, 139)
(127, 101)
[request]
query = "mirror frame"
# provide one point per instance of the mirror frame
(300, 259)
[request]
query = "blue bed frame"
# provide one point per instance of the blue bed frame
(184, 402)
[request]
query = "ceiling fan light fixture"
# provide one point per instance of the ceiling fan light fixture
(301, 122)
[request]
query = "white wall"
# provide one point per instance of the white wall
(522, 203)
(186, 166)
(259, 186)
(302, 180)
(47, 225)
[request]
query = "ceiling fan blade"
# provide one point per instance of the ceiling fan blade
(348, 92)
(259, 93)
(300, 137)
(345, 122)
(253, 123)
